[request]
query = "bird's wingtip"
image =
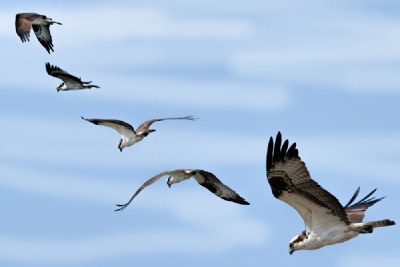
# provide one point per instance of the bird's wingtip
(120, 207)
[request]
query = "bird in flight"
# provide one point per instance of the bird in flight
(204, 178)
(129, 135)
(70, 82)
(326, 221)
(40, 25)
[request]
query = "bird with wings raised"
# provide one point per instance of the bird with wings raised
(40, 25)
(326, 221)
(204, 178)
(129, 135)
(70, 82)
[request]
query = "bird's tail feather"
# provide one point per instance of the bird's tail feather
(89, 85)
(380, 223)
(52, 21)
(368, 227)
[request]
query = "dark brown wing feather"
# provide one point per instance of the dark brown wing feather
(146, 125)
(353, 197)
(23, 24)
(355, 212)
(60, 73)
(288, 174)
(212, 183)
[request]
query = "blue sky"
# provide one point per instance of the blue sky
(324, 73)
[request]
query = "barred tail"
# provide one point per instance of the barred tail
(368, 227)
(380, 223)
(52, 22)
(88, 85)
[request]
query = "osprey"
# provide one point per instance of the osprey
(128, 134)
(326, 221)
(204, 178)
(41, 27)
(70, 82)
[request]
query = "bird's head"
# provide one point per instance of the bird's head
(179, 176)
(121, 145)
(291, 248)
(170, 181)
(297, 242)
(62, 86)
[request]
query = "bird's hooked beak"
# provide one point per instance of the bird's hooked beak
(291, 248)
(169, 181)
(120, 145)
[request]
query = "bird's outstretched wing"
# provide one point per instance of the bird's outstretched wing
(42, 33)
(147, 183)
(61, 74)
(355, 212)
(212, 183)
(122, 127)
(23, 25)
(291, 182)
(146, 125)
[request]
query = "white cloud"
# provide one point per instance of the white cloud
(215, 239)
(108, 22)
(200, 229)
(376, 78)
(359, 155)
(149, 23)
(132, 88)
(55, 184)
(200, 94)
(351, 67)
(370, 260)
(83, 144)
(356, 50)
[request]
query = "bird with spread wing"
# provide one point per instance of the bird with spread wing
(129, 135)
(326, 221)
(70, 82)
(40, 25)
(204, 178)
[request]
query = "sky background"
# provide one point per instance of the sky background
(324, 73)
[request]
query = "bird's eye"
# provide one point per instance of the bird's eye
(291, 245)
